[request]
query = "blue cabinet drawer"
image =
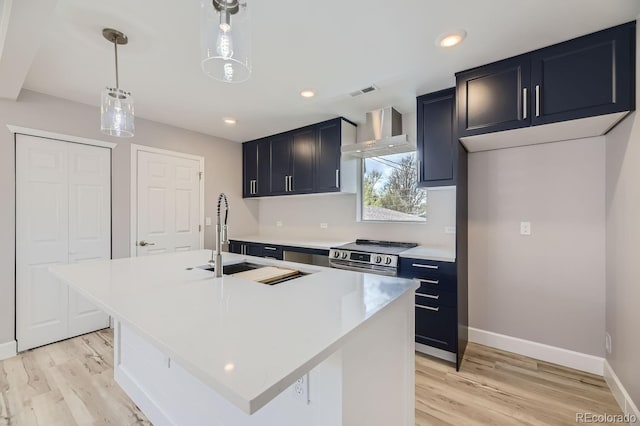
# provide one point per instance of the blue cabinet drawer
(436, 298)
(436, 326)
(272, 251)
(436, 285)
(419, 268)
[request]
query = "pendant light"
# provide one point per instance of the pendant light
(225, 40)
(117, 116)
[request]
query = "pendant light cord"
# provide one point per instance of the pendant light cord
(115, 44)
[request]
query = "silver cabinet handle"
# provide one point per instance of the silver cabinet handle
(269, 248)
(144, 243)
(428, 296)
(524, 103)
(290, 183)
(337, 178)
(428, 308)
(254, 184)
(420, 265)
(420, 281)
(286, 184)
(537, 100)
(419, 170)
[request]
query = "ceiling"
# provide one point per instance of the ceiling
(297, 44)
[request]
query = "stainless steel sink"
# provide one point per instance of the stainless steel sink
(234, 268)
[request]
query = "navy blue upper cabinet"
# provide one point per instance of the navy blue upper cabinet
(280, 163)
(303, 146)
(328, 156)
(584, 77)
(437, 143)
(301, 161)
(256, 168)
(494, 97)
(250, 167)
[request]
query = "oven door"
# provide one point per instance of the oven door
(360, 267)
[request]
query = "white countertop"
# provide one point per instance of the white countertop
(248, 341)
(320, 245)
(430, 253)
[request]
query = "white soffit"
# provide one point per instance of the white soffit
(23, 24)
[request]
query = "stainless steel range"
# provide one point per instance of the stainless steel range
(377, 257)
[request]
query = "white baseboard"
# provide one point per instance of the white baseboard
(620, 393)
(578, 360)
(8, 350)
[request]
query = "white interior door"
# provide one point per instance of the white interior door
(89, 226)
(63, 214)
(42, 230)
(168, 204)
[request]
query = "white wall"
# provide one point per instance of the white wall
(301, 217)
(222, 174)
(623, 260)
(548, 287)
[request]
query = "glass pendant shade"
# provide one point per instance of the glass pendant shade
(225, 42)
(117, 115)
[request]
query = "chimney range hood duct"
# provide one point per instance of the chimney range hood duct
(381, 135)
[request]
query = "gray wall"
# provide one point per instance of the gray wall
(547, 287)
(222, 174)
(623, 263)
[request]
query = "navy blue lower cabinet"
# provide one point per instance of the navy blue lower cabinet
(436, 326)
(440, 317)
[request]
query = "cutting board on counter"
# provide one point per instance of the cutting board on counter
(266, 274)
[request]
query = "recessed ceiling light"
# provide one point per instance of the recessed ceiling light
(451, 38)
(308, 93)
(230, 120)
(229, 367)
(391, 146)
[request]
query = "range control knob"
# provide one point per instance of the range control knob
(388, 260)
(336, 254)
(344, 254)
(378, 259)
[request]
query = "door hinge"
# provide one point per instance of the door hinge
(199, 228)
(200, 175)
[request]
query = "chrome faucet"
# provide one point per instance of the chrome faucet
(221, 236)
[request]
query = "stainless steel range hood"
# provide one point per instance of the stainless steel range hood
(381, 135)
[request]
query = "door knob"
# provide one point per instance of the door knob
(144, 243)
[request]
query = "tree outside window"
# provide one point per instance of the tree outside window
(390, 189)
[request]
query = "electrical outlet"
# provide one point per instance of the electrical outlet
(207, 221)
(301, 389)
(525, 228)
(449, 229)
(607, 343)
(279, 224)
(324, 225)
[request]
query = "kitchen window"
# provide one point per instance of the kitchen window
(390, 191)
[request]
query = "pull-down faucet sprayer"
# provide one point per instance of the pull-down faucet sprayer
(221, 235)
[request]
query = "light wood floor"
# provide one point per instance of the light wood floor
(71, 383)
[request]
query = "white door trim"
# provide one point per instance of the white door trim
(133, 230)
(59, 136)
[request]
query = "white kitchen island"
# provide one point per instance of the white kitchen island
(192, 349)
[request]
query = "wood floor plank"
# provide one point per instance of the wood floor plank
(71, 383)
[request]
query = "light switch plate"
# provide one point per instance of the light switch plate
(207, 221)
(279, 224)
(525, 228)
(324, 225)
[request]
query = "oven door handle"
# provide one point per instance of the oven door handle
(361, 269)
